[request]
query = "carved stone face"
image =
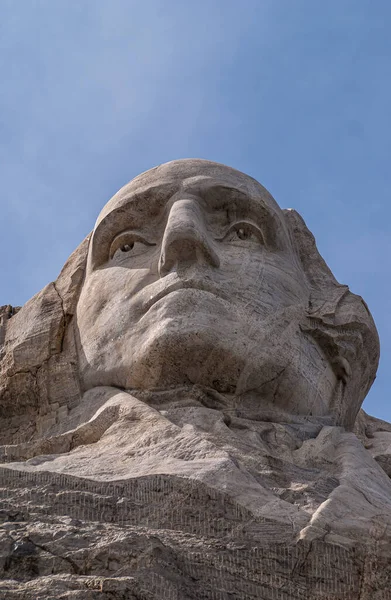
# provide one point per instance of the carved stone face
(193, 278)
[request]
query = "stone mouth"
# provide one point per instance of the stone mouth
(183, 286)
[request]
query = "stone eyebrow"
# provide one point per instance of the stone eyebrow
(216, 191)
(221, 195)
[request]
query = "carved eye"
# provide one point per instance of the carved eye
(245, 232)
(128, 242)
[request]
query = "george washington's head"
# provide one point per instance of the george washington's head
(194, 275)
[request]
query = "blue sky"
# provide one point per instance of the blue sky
(297, 93)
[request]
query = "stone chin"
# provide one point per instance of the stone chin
(174, 343)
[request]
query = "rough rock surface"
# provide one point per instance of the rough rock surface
(180, 409)
(167, 537)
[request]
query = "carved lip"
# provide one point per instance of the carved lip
(183, 285)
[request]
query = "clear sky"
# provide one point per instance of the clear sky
(296, 93)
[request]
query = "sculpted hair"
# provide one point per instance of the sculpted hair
(340, 322)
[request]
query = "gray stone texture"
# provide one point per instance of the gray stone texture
(180, 409)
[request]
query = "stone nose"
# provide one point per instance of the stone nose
(185, 239)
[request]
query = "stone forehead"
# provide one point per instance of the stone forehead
(180, 170)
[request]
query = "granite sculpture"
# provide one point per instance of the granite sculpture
(197, 350)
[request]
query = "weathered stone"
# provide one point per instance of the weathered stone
(38, 364)
(181, 409)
